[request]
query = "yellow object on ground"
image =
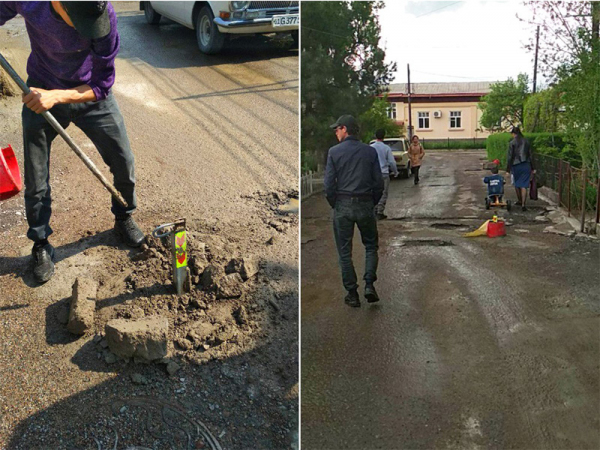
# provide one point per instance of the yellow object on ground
(481, 231)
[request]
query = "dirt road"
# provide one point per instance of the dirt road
(215, 141)
(476, 343)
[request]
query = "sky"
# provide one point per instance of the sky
(453, 41)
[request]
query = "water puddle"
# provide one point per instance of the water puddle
(292, 206)
(421, 242)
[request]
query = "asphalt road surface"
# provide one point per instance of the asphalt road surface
(476, 342)
(216, 141)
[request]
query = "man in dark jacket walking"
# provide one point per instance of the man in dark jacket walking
(353, 186)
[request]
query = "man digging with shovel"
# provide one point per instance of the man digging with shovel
(71, 71)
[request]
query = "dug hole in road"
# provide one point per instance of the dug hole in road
(215, 142)
(477, 343)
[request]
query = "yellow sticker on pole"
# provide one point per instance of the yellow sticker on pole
(180, 249)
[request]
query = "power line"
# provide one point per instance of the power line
(324, 32)
(430, 12)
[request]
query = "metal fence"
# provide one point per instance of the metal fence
(311, 183)
(578, 189)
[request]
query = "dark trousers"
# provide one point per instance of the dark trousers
(348, 212)
(415, 172)
(103, 123)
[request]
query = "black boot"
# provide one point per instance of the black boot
(371, 293)
(129, 232)
(352, 299)
(43, 261)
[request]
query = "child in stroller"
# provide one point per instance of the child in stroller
(495, 192)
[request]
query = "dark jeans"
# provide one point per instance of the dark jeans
(103, 123)
(348, 212)
(415, 171)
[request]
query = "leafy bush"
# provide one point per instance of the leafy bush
(453, 144)
(551, 144)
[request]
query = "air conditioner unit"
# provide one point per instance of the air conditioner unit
(437, 114)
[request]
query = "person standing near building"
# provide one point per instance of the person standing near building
(415, 154)
(387, 163)
(520, 164)
(71, 71)
(353, 186)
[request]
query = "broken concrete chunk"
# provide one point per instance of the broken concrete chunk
(144, 338)
(210, 276)
(562, 229)
(172, 367)
(83, 306)
(235, 265)
(230, 286)
(249, 267)
(246, 267)
(241, 315)
(198, 263)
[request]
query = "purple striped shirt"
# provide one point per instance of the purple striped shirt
(60, 57)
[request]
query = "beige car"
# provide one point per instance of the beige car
(399, 148)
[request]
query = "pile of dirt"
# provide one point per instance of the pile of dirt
(225, 311)
(7, 89)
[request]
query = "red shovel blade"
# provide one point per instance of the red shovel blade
(10, 177)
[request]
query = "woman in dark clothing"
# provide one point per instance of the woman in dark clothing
(520, 164)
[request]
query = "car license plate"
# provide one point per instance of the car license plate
(286, 21)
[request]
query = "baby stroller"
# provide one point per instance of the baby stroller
(495, 192)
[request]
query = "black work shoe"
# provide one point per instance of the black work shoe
(523, 208)
(371, 294)
(381, 216)
(129, 232)
(352, 299)
(43, 262)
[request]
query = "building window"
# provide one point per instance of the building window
(391, 111)
(424, 120)
(455, 119)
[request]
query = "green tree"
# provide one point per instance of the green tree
(377, 117)
(343, 69)
(542, 113)
(570, 57)
(503, 107)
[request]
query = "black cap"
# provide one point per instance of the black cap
(515, 130)
(345, 121)
(89, 18)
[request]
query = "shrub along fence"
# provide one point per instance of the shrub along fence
(453, 144)
(551, 144)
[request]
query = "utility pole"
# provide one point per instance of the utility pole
(537, 46)
(410, 127)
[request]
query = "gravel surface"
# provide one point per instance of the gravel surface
(215, 141)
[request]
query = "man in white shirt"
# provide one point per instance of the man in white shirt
(387, 162)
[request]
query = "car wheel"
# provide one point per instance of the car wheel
(152, 17)
(210, 39)
(295, 38)
(408, 174)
